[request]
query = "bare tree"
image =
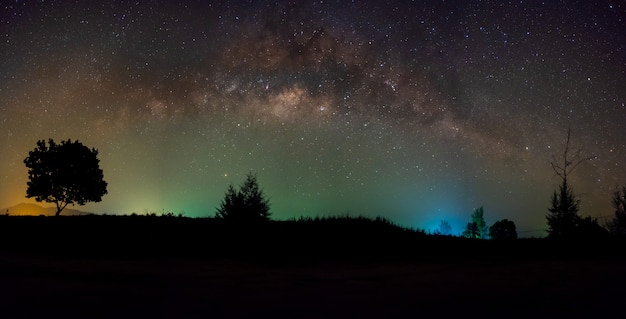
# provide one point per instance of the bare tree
(570, 161)
(563, 218)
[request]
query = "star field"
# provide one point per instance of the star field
(416, 111)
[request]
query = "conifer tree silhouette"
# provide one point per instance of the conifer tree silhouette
(246, 204)
(617, 226)
(563, 218)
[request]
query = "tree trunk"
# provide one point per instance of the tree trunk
(60, 207)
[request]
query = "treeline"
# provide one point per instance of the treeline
(169, 235)
(334, 238)
(69, 173)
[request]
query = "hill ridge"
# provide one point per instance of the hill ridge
(30, 209)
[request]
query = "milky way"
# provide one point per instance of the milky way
(418, 112)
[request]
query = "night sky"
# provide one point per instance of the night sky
(415, 111)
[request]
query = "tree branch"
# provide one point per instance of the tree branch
(569, 163)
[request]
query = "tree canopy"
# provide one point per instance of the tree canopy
(65, 173)
(477, 228)
(503, 229)
(246, 204)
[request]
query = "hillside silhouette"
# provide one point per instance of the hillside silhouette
(26, 209)
(331, 238)
(170, 266)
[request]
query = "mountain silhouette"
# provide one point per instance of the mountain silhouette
(25, 209)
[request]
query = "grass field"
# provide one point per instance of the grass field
(409, 282)
(36, 286)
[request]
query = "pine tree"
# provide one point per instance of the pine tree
(563, 218)
(230, 207)
(471, 230)
(246, 204)
(477, 228)
(617, 226)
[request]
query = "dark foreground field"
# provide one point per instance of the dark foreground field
(141, 274)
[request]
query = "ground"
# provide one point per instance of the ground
(33, 286)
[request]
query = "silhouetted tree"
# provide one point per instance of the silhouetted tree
(246, 204)
(66, 173)
(503, 229)
(231, 204)
(617, 226)
(444, 228)
(563, 218)
(588, 227)
(471, 230)
(477, 228)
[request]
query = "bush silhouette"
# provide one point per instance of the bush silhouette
(588, 228)
(503, 229)
(63, 174)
